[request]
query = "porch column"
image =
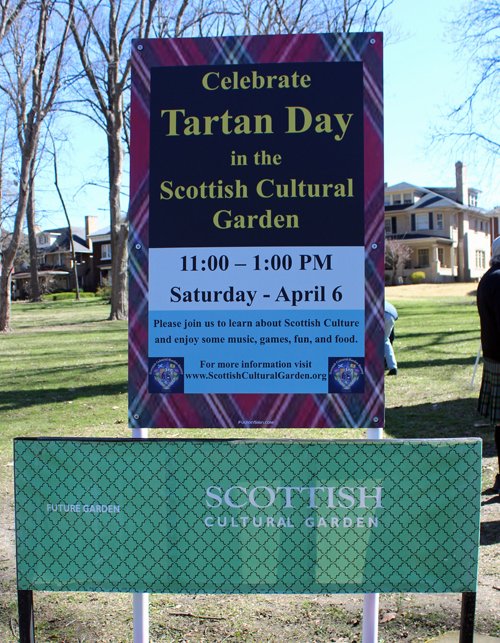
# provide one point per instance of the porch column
(435, 263)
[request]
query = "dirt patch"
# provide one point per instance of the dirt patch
(422, 291)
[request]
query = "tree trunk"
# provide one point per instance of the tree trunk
(75, 265)
(30, 216)
(5, 300)
(9, 254)
(119, 275)
(119, 228)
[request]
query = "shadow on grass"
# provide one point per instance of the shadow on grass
(107, 326)
(490, 533)
(443, 361)
(449, 419)
(61, 378)
(13, 400)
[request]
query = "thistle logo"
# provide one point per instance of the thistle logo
(166, 375)
(346, 375)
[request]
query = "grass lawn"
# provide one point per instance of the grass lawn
(436, 345)
(63, 372)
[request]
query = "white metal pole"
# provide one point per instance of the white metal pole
(370, 601)
(141, 601)
(141, 618)
(475, 367)
(370, 618)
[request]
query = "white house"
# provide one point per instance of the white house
(449, 234)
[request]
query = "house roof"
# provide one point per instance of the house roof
(418, 237)
(429, 197)
(452, 190)
(53, 231)
(27, 275)
(62, 243)
(102, 232)
(400, 187)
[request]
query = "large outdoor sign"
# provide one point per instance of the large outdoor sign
(222, 516)
(257, 232)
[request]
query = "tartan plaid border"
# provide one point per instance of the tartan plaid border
(489, 396)
(257, 410)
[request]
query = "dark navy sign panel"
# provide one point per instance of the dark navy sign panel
(257, 232)
(241, 151)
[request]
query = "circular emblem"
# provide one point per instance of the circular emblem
(346, 372)
(166, 373)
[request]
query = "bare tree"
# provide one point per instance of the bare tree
(9, 13)
(30, 217)
(31, 81)
(264, 17)
(190, 18)
(299, 16)
(397, 254)
(8, 196)
(102, 36)
(471, 125)
(70, 229)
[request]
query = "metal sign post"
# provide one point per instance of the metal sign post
(467, 617)
(141, 600)
(371, 601)
(26, 618)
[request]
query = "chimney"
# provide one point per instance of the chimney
(91, 225)
(462, 190)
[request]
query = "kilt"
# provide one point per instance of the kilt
(489, 396)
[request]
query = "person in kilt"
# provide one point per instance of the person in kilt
(488, 305)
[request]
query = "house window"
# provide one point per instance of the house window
(106, 251)
(387, 199)
(423, 257)
(408, 197)
(441, 256)
(396, 199)
(105, 278)
(422, 221)
(473, 199)
(388, 227)
(439, 221)
(481, 226)
(480, 259)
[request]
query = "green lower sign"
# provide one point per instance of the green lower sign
(241, 516)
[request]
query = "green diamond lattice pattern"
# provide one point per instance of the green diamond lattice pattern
(279, 516)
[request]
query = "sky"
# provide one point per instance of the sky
(422, 76)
